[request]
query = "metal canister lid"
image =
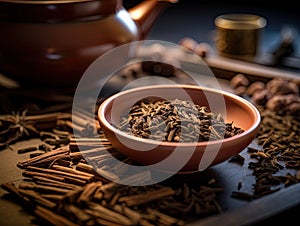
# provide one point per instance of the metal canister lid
(240, 21)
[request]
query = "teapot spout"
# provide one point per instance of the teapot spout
(146, 13)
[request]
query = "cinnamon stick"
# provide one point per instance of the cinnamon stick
(43, 188)
(45, 158)
(83, 146)
(79, 214)
(87, 194)
(72, 171)
(54, 183)
(100, 211)
(37, 198)
(52, 217)
(86, 178)
(133, 200)
(164, 218)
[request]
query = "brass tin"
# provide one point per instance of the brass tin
(238, 35)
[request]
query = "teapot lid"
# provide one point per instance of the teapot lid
(56, 10)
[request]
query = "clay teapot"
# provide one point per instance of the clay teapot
(52, 42)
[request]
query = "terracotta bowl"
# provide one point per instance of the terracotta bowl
(180, 156)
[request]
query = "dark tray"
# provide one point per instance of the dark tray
(228, 174)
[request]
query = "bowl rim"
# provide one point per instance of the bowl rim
(250, 106)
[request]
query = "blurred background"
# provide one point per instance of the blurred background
(195, 19)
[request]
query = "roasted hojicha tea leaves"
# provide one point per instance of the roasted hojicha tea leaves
(176, 121)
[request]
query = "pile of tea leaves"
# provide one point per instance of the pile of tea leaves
(176, 121)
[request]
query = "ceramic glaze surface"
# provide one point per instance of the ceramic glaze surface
(53, 42)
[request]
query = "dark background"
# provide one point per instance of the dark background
(195, 18)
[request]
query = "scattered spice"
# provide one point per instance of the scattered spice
(277, 155)
(280, 95)
(237, 159)
(62, 186)
(239, 80)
